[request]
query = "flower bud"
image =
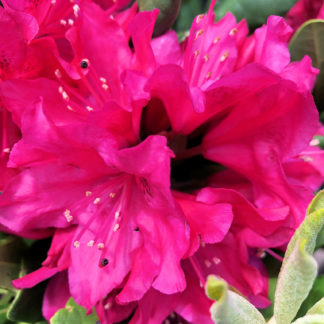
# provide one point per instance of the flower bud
(169, 10)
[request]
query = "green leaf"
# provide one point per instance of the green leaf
(73, 314)
(310, 319)
(8, 272)
(11, 250)
(189, 10)
(320, 239)
(318, 308)
(6, 296)
(3, 317)
(268, 312)
(310, 227)
(230, 308)
(316, 293)
(295, 281)
(309, 40)
(27, 304)
(255, 12)
(316, 204)
(169, 10)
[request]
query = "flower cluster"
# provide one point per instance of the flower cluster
(151, 162)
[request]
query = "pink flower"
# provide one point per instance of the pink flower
(304, 10)
(213, 51)
(14, 50)
(256, 142)
(122, 156)
(125, 212)
(190, 306)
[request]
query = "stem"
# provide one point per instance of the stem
(197, 269)
(194, 151)
(274, 254)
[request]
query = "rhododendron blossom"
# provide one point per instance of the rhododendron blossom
(304, 10)
(152, 163)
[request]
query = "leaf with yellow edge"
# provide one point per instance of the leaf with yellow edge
(310, 319)
(73, 314)
(310, 227)
(230, 308)
(295, 280)
(318, 308)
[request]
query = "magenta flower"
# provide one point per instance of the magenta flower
(113, 203)
(156, 164)
(304, 10)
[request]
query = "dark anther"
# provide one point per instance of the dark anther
(84, 64)
(136, 229)
(104, 262)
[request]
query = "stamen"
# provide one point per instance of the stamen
(208, 75)
(199, 33)
(206, 58)
(117, 214)
(63, 22)
(70, 22)
(76, 244)
(89, 108)
(68, 216)
(224, 56)
(97, 201)
(216, 40)
(116, 228)
(233, 32)
(6, 150)
(216, 260)
(200, 18)
(76, 10)
(101, 246)
(65, 96)
(103, 80)
(58, 73)
(107, 306)
(88, 193)
(196, 53)
(112, 195)
(208, 263)
(261, 253)
(91, 243)
(105, 86)
(69, 107)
